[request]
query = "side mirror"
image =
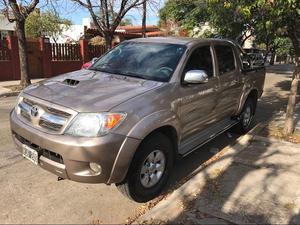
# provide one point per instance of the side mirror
(196, 77)
(94, 60)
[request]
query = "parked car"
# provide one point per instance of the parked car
(129, 117)
(257, 60)
(89, 64)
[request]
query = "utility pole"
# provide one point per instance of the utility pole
(144, 19)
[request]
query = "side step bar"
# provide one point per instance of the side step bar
(205, 136)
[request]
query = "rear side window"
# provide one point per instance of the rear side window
(225, 58)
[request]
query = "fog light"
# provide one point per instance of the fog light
(95, 167)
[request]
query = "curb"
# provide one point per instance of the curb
(173, 205)
(9, 94)
(272, 140)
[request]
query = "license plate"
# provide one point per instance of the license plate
(31, 154)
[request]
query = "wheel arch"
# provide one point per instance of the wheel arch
(170, 132)
(160, 122)
(252, 93)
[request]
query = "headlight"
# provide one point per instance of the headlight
(94, 124)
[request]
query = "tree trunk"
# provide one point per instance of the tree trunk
(20, 30)
(272, 60)
(144, 19)
(108, 41)
(289, 125)
(267, 50)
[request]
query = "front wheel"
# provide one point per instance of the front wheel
(149, 169)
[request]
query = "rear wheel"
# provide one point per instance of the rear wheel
(149, 169)
(246, 117)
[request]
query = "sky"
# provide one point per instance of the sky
(75, 14)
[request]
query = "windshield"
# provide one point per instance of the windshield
(151, 61)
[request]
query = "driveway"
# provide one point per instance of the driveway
(32, 195)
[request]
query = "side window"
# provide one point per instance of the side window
(225, 58)
(201, 59)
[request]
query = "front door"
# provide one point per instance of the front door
(198, 101)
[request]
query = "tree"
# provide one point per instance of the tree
(110, 16)
(16, 12)
(144, 19)
(126, 22)
(287, 18)
(185, 13)
(47, 23)
(283, 19)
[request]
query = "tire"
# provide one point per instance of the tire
(246, 117)
(138, 185)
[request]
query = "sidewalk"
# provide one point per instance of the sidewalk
(255, 181)
(5, 89)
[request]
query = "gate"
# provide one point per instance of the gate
(34, 59)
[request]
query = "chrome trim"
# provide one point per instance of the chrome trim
(45, 121)
(53, 119)
(26, 108)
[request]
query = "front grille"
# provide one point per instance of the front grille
(49, 118)
(58, 112)
(44, 152)
(25, 115)
(28, 101)
(50, 125)
(53, 156)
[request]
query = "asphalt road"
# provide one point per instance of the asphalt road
(31, 195)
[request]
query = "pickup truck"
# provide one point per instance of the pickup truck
(138, 109)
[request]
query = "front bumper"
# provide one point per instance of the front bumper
(69, 157)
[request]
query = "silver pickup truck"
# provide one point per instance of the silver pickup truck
(139, 108)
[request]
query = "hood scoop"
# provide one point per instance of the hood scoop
(71, 82)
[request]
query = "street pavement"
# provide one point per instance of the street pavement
(32, 195)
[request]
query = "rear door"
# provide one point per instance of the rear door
(230, 80)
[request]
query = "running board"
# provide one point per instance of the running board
(205, 136)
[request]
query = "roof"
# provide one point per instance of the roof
(136, 29)
(132, 31)
(179, 40)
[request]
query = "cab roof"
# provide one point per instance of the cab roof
(180, 40)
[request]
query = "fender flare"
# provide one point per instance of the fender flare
(244, 97)
(134, 138)
(153, 122)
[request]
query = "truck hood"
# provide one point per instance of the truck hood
(90, 91)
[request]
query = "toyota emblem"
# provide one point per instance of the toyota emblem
(34, 111)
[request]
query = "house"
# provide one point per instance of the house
(74, 32)
(127, 32)
(6, 28)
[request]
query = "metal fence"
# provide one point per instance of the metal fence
(4, 51)
(96, 50)
(65, 52)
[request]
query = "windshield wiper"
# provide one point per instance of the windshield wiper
(100, 70)
(133, 75)
(118, 72)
